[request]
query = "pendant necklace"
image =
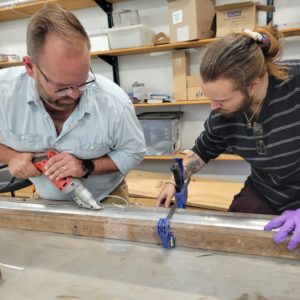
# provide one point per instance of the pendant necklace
(249, 120)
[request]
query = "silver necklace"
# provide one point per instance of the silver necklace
(249, 120)
(249, 124)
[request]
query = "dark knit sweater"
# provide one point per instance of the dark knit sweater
(275, 175)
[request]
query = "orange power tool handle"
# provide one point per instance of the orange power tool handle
(40, 163)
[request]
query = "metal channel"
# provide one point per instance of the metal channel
(251, 222)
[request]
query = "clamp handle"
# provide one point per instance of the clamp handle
(181, 186)
(181, 197)
(177, 170)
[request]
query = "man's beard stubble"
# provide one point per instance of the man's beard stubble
(243, 108)
(55, 103)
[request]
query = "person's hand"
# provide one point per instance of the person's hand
(166, 194)
(288, 221)
(21, 166)
(63, 165)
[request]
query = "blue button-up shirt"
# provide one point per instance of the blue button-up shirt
(104, 122)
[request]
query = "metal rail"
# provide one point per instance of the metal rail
(182, 216)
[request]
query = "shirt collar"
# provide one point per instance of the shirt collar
(32, 94)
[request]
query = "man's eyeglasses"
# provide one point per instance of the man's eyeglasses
(258, 132)
(68, 90)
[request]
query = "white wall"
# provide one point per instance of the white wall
(155, 70)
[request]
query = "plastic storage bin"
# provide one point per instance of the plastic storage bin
(126, 17)
(98, 39)
(129, 36)
(162, 132)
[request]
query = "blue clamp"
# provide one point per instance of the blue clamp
(163, 230)
(163, 227)
(180, 186)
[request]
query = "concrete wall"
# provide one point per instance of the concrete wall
(155, 70)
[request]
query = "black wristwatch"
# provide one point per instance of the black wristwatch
(88, 167)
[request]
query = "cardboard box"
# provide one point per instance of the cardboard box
(193, 81)
(235, 17)
(195, 93)
(190, 19)
(180, 65)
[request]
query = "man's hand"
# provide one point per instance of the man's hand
(63, 165)
(166, 194)
(192, 163)
(21, 166)
(288, 221)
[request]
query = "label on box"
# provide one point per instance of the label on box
(183, 34)
(234, 14)
(177, 16)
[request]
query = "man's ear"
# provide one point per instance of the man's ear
(29, 66)
(253, 85)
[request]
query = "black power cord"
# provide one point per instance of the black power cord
(13, 185)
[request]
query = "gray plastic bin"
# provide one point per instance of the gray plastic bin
(162, 132)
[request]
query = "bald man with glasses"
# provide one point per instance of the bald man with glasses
(56, 102)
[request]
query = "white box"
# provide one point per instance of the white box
(129, 36)
(98, 40)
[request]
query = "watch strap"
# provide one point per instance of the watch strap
(88, 167)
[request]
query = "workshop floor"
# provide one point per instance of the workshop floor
(59, 266)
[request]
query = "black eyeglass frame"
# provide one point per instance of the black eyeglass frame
(68, 90)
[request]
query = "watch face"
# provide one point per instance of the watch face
(88, 165)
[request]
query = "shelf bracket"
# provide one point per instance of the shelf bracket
(107, 8)
(270, 14)
(113, 61)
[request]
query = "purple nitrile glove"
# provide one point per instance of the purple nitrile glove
(288, 221)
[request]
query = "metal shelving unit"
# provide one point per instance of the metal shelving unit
(111, 56)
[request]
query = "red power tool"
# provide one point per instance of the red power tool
(67, 185)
